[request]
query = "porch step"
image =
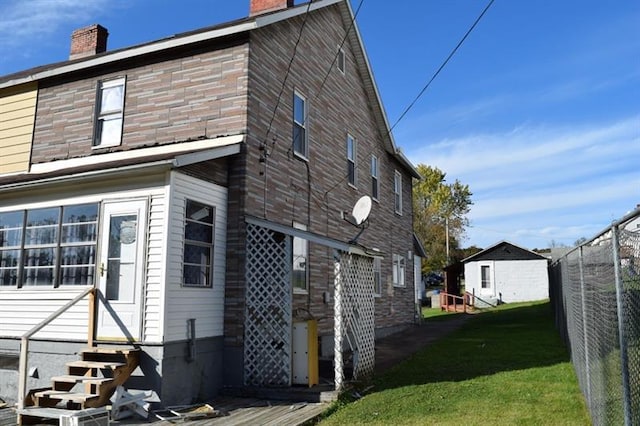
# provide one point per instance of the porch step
(70, 378)
(67, 396)
(96, 364)
(110, 350)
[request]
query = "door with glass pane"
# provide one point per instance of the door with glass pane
(121, 270)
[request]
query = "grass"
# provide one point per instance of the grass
(504, 367)
(436, 313)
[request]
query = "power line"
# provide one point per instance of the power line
(335, 58)
(286, 76)
(443, 65)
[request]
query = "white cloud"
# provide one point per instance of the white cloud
(538, 183)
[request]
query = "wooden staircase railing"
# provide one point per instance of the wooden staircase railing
(24, 342)
(455, 303)
(100, 370)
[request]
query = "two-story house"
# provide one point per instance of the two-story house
(202, 184)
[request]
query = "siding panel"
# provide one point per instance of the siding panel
(17, 118)
(206, 305)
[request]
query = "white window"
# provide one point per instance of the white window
(485, 276)
(300, 137)
(300, 254)
(351, 160)
(109, 113)
(375, 177)
(397, 191)
(198, 245)
(341, 60)
(398, 270)
(49, 246)
(377, 276)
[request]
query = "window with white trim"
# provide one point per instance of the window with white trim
(50, 246)
(199, 231)
(377, 276)
(299, 262)
(485, 276)
(375, 177)
(341, 60)
(109, 113)
(352, 177)
(300, 137)
(398, 270)
(397, 191)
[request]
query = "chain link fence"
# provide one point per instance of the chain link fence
(595, 294)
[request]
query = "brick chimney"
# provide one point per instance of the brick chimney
(259, 7)
(88, 41)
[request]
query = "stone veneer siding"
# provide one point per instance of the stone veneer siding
(315, 192)
(199, 94)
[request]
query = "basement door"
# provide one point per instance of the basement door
(121, 267)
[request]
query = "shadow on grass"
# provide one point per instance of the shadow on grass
(505, 339)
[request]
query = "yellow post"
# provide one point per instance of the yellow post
(312, 336)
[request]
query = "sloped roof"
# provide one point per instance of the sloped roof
(504, 250)
(222, 31)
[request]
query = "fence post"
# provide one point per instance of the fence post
(584, 324)
(621, 334)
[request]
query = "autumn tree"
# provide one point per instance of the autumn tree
(439, 211)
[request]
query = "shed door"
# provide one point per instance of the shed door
(121, 270)
(486, 279)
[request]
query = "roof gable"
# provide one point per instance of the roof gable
(504, 251)
(222, 31)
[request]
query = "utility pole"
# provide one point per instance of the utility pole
(446, 231)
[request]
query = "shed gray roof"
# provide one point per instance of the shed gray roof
(504, 250)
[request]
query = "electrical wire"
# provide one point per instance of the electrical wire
(335, 58)
(453, 52)
(286, 76)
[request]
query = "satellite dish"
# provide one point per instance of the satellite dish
(361, 209)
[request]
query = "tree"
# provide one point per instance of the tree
(439, 215)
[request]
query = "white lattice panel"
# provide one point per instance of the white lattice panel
(267, 336)
(354, 314)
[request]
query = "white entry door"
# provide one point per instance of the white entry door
(121, 270)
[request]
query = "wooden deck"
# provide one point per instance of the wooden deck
(229, 411)
(232, 411)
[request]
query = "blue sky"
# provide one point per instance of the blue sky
(538, 112)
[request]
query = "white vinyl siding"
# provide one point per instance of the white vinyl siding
(205, 305)
(156, 255)
(23, 308)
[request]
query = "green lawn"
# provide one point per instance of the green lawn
(506, 366)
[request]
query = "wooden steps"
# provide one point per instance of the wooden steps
(88, 383)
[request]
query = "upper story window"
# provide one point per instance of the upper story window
(109, 113)
(351, 161)
(341, 60)
(375, 177)
(49, 246)
(397, 191)
(300, 137)
(198, 245)
(300, 262)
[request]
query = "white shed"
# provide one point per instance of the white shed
(508, 273)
